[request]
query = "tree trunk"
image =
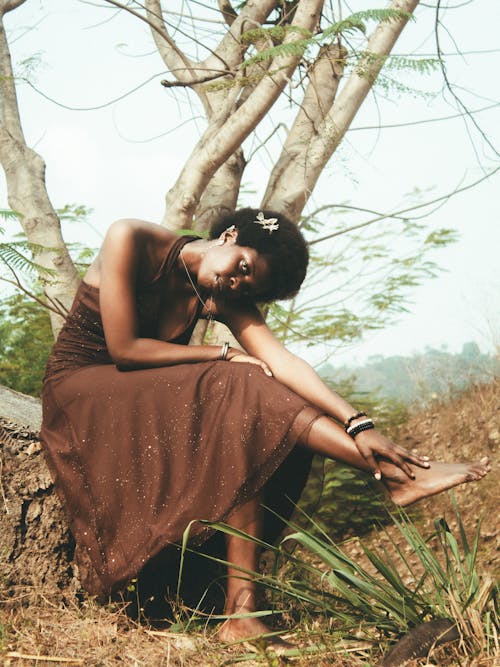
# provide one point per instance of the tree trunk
(27, 192)
(35, 543)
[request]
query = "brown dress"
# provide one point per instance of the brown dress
(137, 455)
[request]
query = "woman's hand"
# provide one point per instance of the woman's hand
(372, 445)
(241, 358)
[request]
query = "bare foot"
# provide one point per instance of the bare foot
(438, 477)
(248, 629)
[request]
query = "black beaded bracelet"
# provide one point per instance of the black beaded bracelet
(347, 423)
(355, 430)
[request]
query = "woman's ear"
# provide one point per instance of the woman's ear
(228, 235)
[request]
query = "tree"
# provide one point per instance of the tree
(267, 45)
(268, 51)
(25, 173)
(317, 58)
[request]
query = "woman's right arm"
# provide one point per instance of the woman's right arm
(119, 262)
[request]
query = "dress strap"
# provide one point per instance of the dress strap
(172, 255)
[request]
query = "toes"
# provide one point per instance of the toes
(485, 461)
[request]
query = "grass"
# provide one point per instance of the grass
(381, 599)
(345, 603)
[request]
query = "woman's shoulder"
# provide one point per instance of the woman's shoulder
(138, 230)
(131, 241)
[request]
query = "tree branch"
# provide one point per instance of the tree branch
(9, 5)
(9, 111)
(450, 87)
(17, 283)
(324, 78)
(294, 191)
(227, 11)
(172, 55)
(27, 193)
(399, 213)
(220, 140)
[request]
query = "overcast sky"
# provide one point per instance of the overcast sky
(109, 159)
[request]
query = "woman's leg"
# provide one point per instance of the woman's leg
(240, 593)
(327, 438)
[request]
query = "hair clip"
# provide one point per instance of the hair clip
(271, 224)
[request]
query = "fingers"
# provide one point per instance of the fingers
(393, 456)
(247, 359)
(267, 370)
(413, 457)
(370, 459)
(383, 447)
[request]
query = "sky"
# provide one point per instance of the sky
(121, 159)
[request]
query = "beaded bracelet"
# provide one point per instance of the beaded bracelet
(359, 428)
(347, 423)
(224, 351)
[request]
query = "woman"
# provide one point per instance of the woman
(145, 434)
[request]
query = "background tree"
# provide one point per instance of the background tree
(315, 58)
(25, 173)
(266, 47)
(236, 74)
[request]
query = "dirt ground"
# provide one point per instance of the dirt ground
(38, 631)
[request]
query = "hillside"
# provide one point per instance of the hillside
(419, 378)
(84, 632)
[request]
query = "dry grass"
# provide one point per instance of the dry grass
(87, 633)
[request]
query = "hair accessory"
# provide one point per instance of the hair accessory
(271, 224)
(347, 422)
(224, 351)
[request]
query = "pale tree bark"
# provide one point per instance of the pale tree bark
(221, 192)
(324, 78)
(234, 112)
(231, 123)
(27, 193)
(297, 178)
(319, 126)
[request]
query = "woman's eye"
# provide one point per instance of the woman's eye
(244, 267)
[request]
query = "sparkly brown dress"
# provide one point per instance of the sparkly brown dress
(138, 455)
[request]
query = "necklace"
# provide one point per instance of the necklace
(198, 296)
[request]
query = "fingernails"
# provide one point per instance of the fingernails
(425, 458)
(378, 476)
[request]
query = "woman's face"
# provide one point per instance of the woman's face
(232, 271)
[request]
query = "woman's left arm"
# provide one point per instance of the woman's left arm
(258, 340)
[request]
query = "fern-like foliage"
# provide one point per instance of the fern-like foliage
(417, 65)
(290, 49)
(8, 214)
(14, 256)
(276, 33)
(391, 86)
(297, 47)
(356, 22)
(241, 81)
